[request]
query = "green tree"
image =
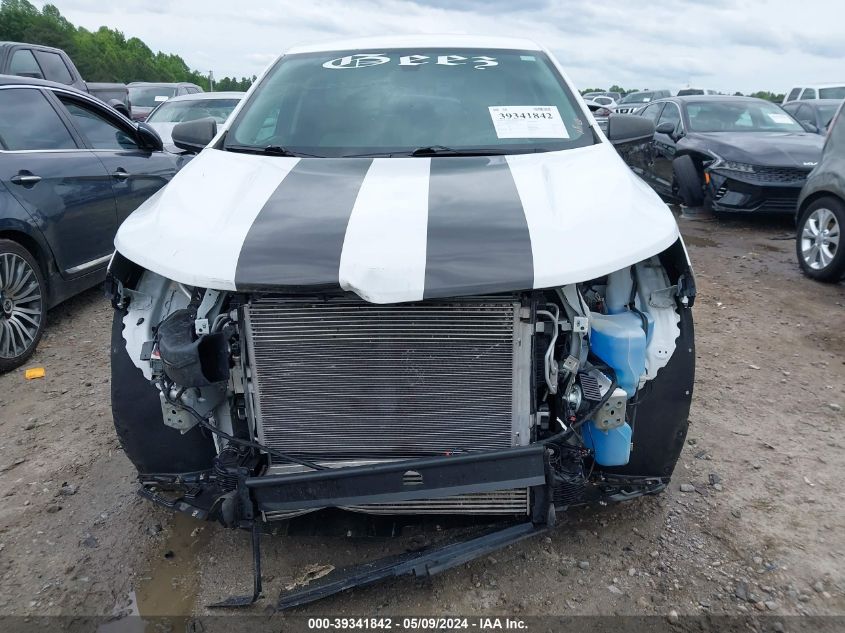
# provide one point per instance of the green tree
(768, 96)
(103, 55)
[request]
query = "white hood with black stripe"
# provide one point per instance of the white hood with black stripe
(398, 229)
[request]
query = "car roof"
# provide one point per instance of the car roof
(816, 102)
(419, 41)
(207, 95)
(39, 46)
(828, 85)
(7, 80)
(710, 98)
(158, 84)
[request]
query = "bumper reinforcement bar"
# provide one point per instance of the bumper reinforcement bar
(420, 564)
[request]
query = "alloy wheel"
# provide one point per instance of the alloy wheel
(21, 306)
(820, 238)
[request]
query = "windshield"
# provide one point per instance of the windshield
(191, 110)
(740, 116)
(837, 92)
(150, 96)
(396, 101)
(637, 97)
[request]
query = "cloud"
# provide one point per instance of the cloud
(722, 44)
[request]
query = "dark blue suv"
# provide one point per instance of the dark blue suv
(71, 170)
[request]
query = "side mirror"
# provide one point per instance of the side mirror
(629, 128)
(667, 127)
(809, 126)
(121, 107)
(193, 136)
(149, 138)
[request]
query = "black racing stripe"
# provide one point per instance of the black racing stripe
(478, 238)
(297, 237)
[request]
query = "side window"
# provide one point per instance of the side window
(792, 108)
(809, 93)
(54, 67)
(100, 132)
(805, 114)
(29, 122)
(24, 64)
(670, 113)
(652, 111)
(793, 94)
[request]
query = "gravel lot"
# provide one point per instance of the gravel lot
(754, 518)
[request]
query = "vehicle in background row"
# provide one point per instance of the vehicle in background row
(146, 96)
(71, 170)
(821, 210)
(604, 101)
(634, 101)
(729, 153)
(215, 105)
(814, 115)
(688, 92)
(111, 93)
(616, 96)
(398, 292)
(53, 64)
(600, 112)
(816, 91)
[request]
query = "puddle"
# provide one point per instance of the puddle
(770, 247)
(697, 240)
(171, 585)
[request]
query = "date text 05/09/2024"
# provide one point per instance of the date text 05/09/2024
(418, 623)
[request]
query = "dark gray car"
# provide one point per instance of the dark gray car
(71, 170)
(821, 211)
(816, 114)
(144, 96)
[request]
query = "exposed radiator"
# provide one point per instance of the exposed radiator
(343, 379)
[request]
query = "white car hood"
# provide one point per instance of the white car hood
(398, 229)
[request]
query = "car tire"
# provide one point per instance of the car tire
(818, 244)
(688, 181)
(23, 305)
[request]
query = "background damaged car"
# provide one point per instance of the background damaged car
(410, 277)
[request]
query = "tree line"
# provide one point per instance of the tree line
(760, 94)
(104, 55)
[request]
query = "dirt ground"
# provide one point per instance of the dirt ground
(762, 532)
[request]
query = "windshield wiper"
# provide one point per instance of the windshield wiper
(442, 150)
(434, 150)
(273, 150)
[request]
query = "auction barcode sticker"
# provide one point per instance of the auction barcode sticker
(528, 122)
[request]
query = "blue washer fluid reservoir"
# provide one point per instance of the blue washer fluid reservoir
(620, 341)
(611, 447)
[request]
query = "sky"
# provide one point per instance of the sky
(725, 45)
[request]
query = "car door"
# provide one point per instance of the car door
(665, 146)
(62, 185)
(136, 172)
(55, 69)
(651, 112)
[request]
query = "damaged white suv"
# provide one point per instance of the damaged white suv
(408, 276)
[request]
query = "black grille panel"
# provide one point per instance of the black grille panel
(778, 175)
